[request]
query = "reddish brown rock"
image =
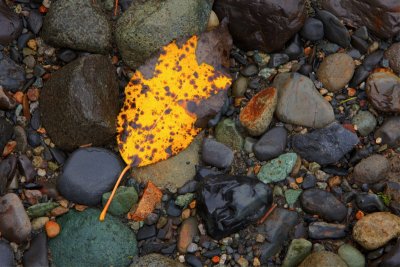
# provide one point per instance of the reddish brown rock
(383, 90)
(186, 234)
(393, 55)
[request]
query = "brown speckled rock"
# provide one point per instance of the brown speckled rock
(323, 258)
(383, 90)
(393, 55)
(371, 170)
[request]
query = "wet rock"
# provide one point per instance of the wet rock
(216, 154)
(257, 114)
(10, 24)
(279, 21)
(359, 44)
(36, 255)
(371, 170)
(277, 59)
(35, 21)
(276, 231)
(325, 146)
(277, 169)
(83, 96)
(20, 138)
(313, 30)
(323, 258)
(249, 70)
(334, 30)
(6, 130)
(12, 76)
(298, 250)
(14, 224)
(109, 242)
(7, 172)
(124, 199)
(230, 203)
(155, 260)
(336, 71)
(187, 232)
(365, 122)
(372, 60)
(389, 132)
(239, 86)
(352, 256)
(146, 232)
(174, 171)
(383, 90)
(88, 174)
(6, 100)
(360, 75)
(392, 258)
(380, 16)
(323, 230)
(6, 254)
(323, 204)
(393, 55)
(26, 168)
(136, 28)
(63, 26)
(369, 202)
(271, 144)
(193, 261)
(376, 229)
(300, 103)
(227, 133)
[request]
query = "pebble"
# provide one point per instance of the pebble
(389, 133)
(38, 223)
(184, 200)
(323, 258)
(298, 250)
(6, 254)
(227, 133)
(371, 169)
(334, 29)
(239, 86)
(146, 232)
(292, 195)
(36, 255)
(360, 75)
(213, 21)
(216, 154)
(192, 260)
(35, 21)
(382, 90)
(277, 59)
(359, 44)
(14, 225)
(12, 76)
(257, 114)
(372, 60)
(376, 229)
(313, 29)
(249, 70)
(277, 169)
(173, 210)
(392, 258)
(124, 199)
(323, 230)
(6, 100)
(323, 204)
(369, 202)
(21, 138)
(364, 122)
(187, 232)
(10, 23)
(309, 182)
(393, 55)
(271, 144)
(352, 256)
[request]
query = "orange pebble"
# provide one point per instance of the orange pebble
(359, 215)
(307, 51)
(351, 91)
(299, 180)
(19, 96)
(192, 204)
(215, 259)
(52, 229)
(150, 198)
(43, 9)
(79, 207)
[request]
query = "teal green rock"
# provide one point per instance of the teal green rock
(41, 209)
(155, 260)
(365, 122)
(277, 169)
(184, 200)
(227, 133)
(292, 195)
(123, 200)
(298, 250)
(352, 256)
(86, 241)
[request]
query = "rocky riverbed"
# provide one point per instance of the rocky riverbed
(300, 166)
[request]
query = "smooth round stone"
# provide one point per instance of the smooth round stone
(146, 232)
(155, 260)
(298, 250)
(313, 30)
(193, 261)
(239, 86)
(271, 144)
(323, 258)
(323, 230)
(34, 138)
(389, 132)
(249, 70)
(352, 256)
(365, 122)
(6, 254)
(216, 154)
(383, 90)
(371, 170)
(393, 55)
(369, 202)
(336, 71)
(187, 232)
(376, 229)
(334, 29)
(88, 174)
(372, 60)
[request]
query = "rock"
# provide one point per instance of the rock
(39, 223)
(8, 166)
(175, 171)
(124, 199)
(300, 103)
(323, 230)
(227, 133)
(313, 30)
(88, 174)
(105, 243)
(389, 132)
(357, 13)
(21, 139)
(216, 154)
(393, 55)
(334, 30)
(325, 146)
(277, 59)
(63, 27)
(372, 60)
(323, 258)
(371, 170)
(239, 86)
(276, 231)
(187, 232)
(36, 255)
(369, 202)
(277, 169)
(146, 232)
(213, 21)
(155, 260)
(376, 229)
(14, 225)
(249, 70)
(136, 28)
(323, 204)
(6, 130)
(271, 144)
(278, 20)
(6, 100)
(392, 258)
(41, 209)
(352, 256)
(248, 200)
(294, 49)
(298, 250)
(6, 254)
(184, 200)
(364, 122)
(12, 76)
(173, 210)
(360, 75)
(291, 196)
(257, 114)
(35, 21)
(336, 71)
(392, 189)
(83, 95)
(10, 24)
(383, 90)
(309, 182)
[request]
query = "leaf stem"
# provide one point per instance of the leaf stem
(104, 212)
(347, 100)
(116, 7)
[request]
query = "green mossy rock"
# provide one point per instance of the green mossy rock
(123, 200)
